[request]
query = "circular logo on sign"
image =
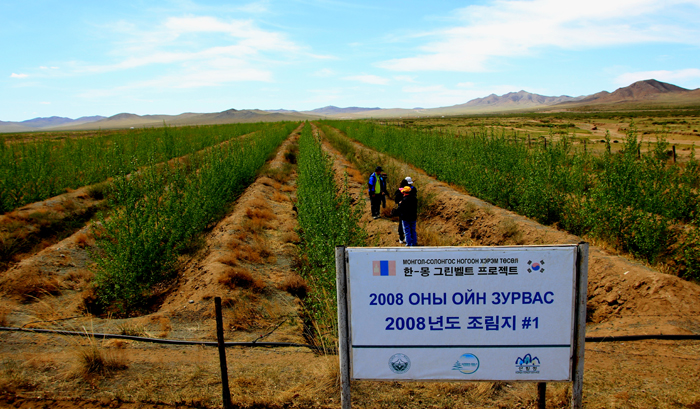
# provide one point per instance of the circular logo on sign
(536, 266)
(399, 363)
(466, 364)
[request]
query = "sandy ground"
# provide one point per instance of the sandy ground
(625, 297)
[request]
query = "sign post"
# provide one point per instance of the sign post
(462, 313)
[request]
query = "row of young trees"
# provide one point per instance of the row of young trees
(34, 170)
(637, 201)
(326, 219)
(157, 212)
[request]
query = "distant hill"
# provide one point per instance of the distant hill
(333, 110)
(45, 123)
(647, 90)
(519, 99)
(128, 120)
(641, 94)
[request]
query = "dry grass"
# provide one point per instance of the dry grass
(356, 176)
(99, 190)
(58, 208)
(4, 312)
(255, 225)
(266, 181)
(30, 284)
(290, 237)
(131, 328)
(288, 189)
(241, 235)
(258, 203)
(508, 228)
(257, 252)
(295, 285)
(242, 278)
(93, 360)
(430, 236)
(163, 324)
(386, 211)
(262, 246)
(82, 240)
(229, 260)
(468, 212)
(279, 174)
(12, 221)
(243, 312)
(45, 311)
(265, 214)
(77, 279)
(279, 197)
(244, 253)
(44, 218)
(427, 200)
(70, 206)
(15, 376)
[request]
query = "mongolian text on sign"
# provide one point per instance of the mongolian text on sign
(479, 313)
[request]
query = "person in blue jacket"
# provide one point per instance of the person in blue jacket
(376, 187)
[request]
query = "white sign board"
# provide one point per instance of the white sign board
(467, 313)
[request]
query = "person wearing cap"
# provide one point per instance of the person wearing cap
(408, 213)
(398, 197)
(409, 181)
(375, 191)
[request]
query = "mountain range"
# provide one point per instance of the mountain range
(641, 94)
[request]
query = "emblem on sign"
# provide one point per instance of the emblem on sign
(527, 365)
(399, 363)
(466, 364)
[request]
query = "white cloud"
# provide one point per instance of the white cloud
(199, 46)
(13, 75)
(368, 79)
(45, 103)
(255, 7)
(509, 28)
(405, 78)
(661, 75)
(323, 73)
(213, 73)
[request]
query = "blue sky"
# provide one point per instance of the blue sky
(78, 58)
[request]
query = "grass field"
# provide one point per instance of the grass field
(254, 218)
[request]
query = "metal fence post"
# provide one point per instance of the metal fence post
(343, 330)
(226, 393)
(580, 327)
(541, 395)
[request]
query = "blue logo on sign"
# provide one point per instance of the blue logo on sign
(527, 365)
(466, 364)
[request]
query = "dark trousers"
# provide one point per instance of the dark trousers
(375, 203)
(401, 235)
